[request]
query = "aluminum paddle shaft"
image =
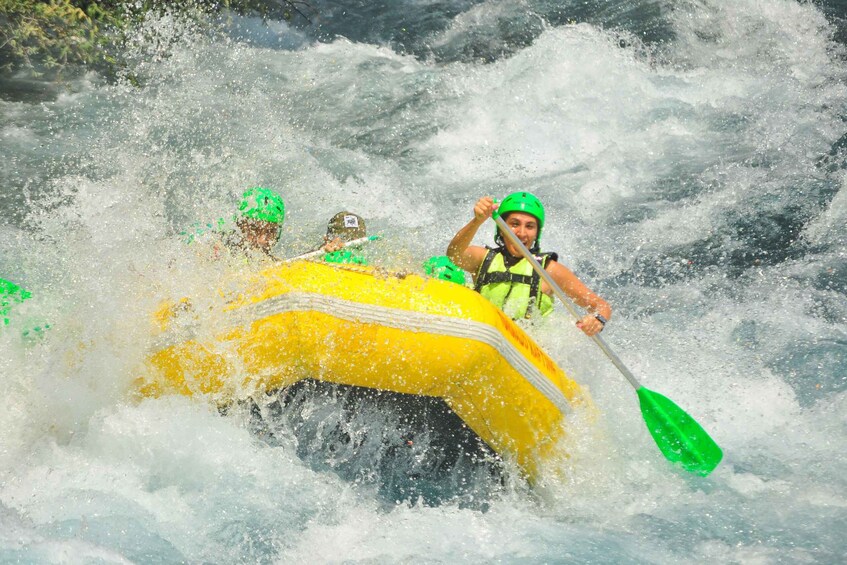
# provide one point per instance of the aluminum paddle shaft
(571, 307)
(677, 435)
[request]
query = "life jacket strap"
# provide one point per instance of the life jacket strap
(506, 276)
(484, 277)
(483, 268)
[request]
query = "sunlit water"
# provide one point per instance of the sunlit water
(690, 155)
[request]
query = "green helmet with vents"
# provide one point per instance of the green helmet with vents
(527, 203)
(441, 267)
(262, 204)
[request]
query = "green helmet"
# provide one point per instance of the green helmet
(262, 204)
(522, 202)
(10, 294)
(441, 267)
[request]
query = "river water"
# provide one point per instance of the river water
(691, 157)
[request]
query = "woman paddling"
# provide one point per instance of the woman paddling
(506, 278)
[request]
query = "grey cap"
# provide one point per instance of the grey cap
(346, 225)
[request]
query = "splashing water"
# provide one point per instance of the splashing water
(690, 156)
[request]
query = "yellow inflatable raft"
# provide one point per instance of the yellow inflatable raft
(365, 327)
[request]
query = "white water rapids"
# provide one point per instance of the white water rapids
(695, 181)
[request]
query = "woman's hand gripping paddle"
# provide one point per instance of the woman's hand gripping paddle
(679, 437)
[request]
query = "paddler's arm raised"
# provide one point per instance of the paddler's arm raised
(460, 251)
(599, 311)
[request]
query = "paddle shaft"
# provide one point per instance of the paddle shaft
(320, 251)
(571, 307)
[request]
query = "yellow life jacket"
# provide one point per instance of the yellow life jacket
(516, 289)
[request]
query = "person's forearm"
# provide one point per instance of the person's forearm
(462, 240)
(591, 302)
(577, 291)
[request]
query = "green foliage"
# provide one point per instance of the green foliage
(52, 35)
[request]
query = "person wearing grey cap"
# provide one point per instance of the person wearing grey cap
(343, 228)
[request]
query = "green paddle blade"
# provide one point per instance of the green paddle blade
(680, 438)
